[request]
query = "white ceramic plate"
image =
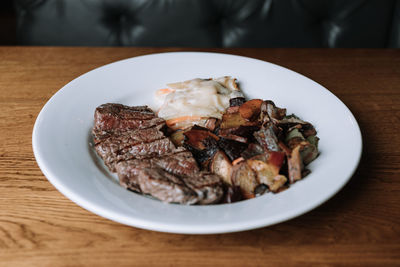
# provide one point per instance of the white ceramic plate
(61, 141)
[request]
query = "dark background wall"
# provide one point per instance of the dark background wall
(208, 23)
(7, 23)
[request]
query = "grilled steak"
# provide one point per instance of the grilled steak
(122, 133)
(149, 177)
(131, 142)
(208, 187)
(165, 186)
(116, 116)
(142, 150)
(124, 137)
(180, 163)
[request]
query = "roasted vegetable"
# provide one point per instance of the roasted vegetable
(260, 190)
(309, 151)
(234, 120)
(202, 143)
(177, 137)
(231, 110)
(295, 165)
(252, 150)
(308, 147)
(233, 102)
(267, 169)
(293, 138)
(246, 131)
(233, 149)
(212, 124)
(197, 135)
(244, 177)
(271, 113)
(237, 138)
(221, 165)
(232, 194)
(308, 130)
(292, 121)
(250, 110)
(267, 138)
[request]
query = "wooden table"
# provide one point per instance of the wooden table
(358, 226)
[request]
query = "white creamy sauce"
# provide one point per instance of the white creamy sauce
(203, 98)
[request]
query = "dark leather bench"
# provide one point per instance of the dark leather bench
(210, 23)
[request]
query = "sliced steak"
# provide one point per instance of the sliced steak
(146, 177)
(125, 135)
(113, 142)
(122, 133)
(180, 163)
(131, 142)
(116, 116)
(165, 186)
(156, 148)
(208, 187)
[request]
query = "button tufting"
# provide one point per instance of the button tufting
(210, 23)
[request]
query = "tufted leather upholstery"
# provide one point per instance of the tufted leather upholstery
(210, 23)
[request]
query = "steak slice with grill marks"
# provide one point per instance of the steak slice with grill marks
(116, 116)
(115, 141)
(122, 133)
(208, 187)
(140, 151)
(150, 178)
(128, 135)
(131, 142)
(164, 186)
(180, 163)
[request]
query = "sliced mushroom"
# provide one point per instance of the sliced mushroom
(221, 165)
(267, 174)
(244, 177)
(308, 147)
(292, 121)
(271, 113)
(295, 165)
(309, 150)
(294, 138)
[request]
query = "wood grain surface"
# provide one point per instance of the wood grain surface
(360, 226)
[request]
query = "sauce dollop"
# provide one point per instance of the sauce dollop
(184, 104)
